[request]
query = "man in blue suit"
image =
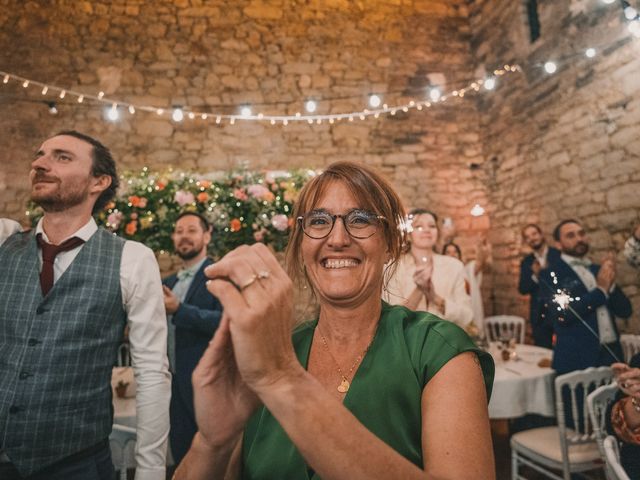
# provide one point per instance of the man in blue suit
(193, 315)
(594, 297)
(541, 256)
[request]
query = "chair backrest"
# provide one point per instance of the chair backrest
(124, 356)
(612, 458)
(123, 448)
(499, 327)
(574, 423)
(630, 345)
(597, 403)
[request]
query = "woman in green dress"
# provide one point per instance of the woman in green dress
(365, 391)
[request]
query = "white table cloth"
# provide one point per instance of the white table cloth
(522, 387)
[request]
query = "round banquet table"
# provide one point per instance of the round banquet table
(522, 387)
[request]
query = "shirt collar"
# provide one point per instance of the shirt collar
(193, 269)
(573, 261)
(85, 232)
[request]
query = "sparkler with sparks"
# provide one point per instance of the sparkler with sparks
(563, 301)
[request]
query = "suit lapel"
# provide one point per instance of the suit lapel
(198, 279)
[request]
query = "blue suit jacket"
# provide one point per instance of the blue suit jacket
(576, 347)
(196, 320)
(542, 330)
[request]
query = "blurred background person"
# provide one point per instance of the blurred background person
(193, 315)
(473, 270)
(427, 281)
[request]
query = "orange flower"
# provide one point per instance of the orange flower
(205, 183)
(131, 228)
(136, 201)
(235, 225)
(203, 197)
(160, 185)
(110, 206)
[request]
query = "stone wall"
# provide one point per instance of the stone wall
(563, 145)
(216, 55)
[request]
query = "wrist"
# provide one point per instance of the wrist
(279, 384)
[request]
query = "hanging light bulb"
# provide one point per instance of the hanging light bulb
(550, 67)
(25, 84)
(112, 113)
(132, 109)
(245, 111)
(477, 210)
(62, 93)
(310, 106)
(52, 108)
(100, 94)
(434, 94)
(374, 101)
(590, 52)
(177, 114)
(192, 115)
(81, 99)
(45, 89)
(6, 78)
(490, 83)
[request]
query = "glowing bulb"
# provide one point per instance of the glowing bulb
(630, 13)
(177, 114)
(25, 84)
(113, 114)
(5, 79)
(100, 94)
(477, 210)
(374, 101)
(204, 116)
(590, 52)
(490, 83)
(246, 111)
(52, 108)
(434, 94)
(608, 2)
(132, 109)
(192, 115)
(45, 89)
(81, 99)
(160, 111)
(310, 106)
(63, 93)
(550, 67)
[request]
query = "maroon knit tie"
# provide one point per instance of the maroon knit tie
(49, 253)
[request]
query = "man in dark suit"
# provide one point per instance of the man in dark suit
(541, 257)
(193, 315)
(592, 296)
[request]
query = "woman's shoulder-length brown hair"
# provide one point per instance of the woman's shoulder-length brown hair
(371, 191)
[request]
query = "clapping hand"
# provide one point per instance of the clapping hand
(607, 273)
(627, 378)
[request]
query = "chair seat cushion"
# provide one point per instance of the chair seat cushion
(546, 442)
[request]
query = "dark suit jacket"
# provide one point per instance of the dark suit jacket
(542, 331)
(576, 347)
(196, 320)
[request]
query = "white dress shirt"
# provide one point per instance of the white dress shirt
(605, 322)
(143, 301)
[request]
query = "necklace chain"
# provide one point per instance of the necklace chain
(344, 384)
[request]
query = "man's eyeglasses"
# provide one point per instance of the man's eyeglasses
(359, 224)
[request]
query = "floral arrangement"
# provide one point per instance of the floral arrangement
(243, 207)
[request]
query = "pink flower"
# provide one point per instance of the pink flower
(239, 194)
(258, 191)
(142, 203)
(280, 222)
(114, 220)
(183, 197)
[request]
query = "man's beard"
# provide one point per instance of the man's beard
(580, 250)
(59, 201)
(538, 245)
(189, 254)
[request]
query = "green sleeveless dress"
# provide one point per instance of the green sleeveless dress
(385, 395)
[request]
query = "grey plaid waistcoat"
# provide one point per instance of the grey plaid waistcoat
(57, 352)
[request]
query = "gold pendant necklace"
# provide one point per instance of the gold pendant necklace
(344, 383)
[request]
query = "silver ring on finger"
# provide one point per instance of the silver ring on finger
(263, 274)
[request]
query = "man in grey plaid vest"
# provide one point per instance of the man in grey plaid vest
(68, 290)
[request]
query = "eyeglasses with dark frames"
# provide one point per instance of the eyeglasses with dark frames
(360, 224)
